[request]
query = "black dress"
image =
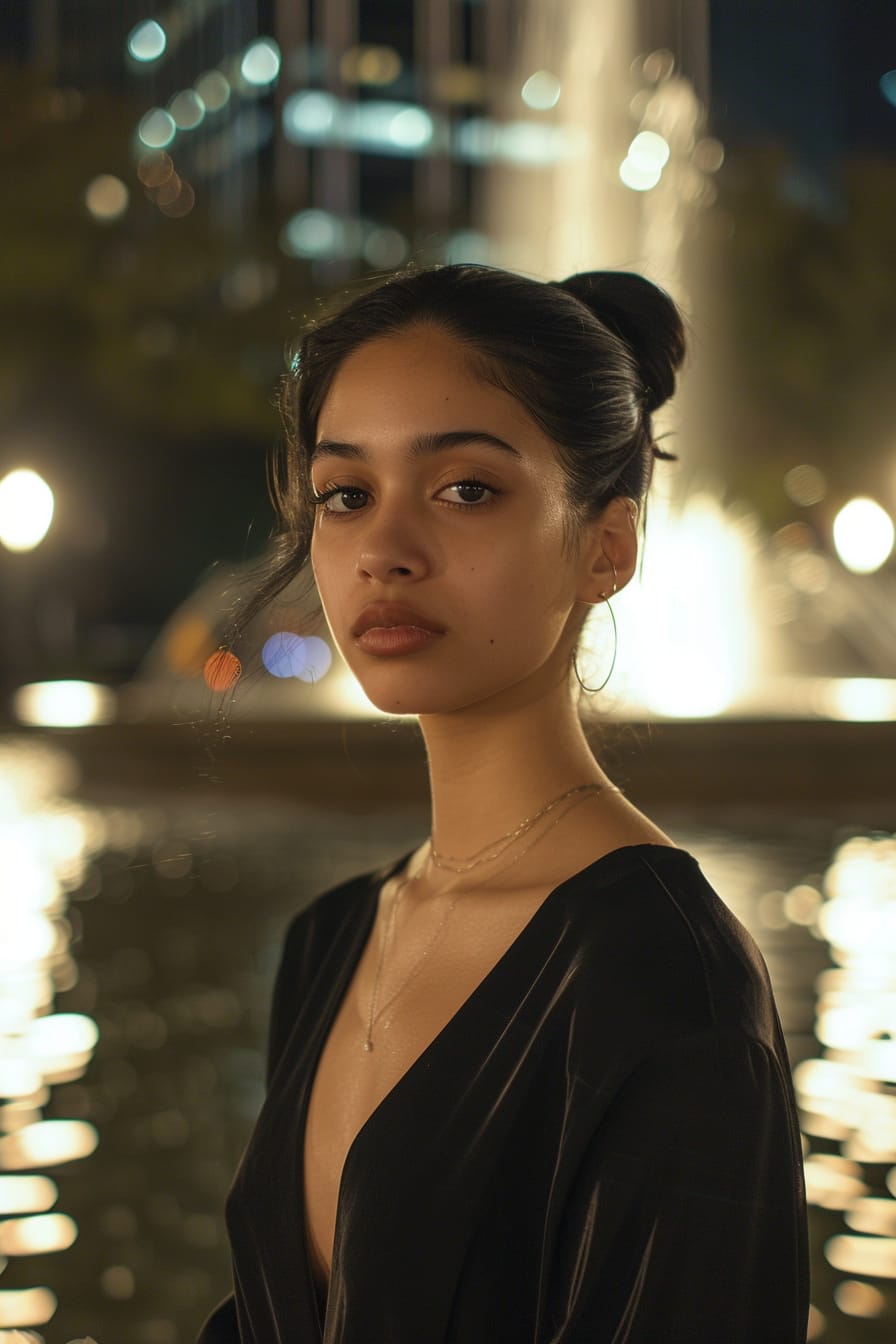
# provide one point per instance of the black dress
(600, 1147)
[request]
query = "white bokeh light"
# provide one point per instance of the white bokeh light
(541, 91)
(26, 509)
(157, 129)
(863, 535)
(261, 62)
(639, 176)
(64, 704)
(147, 41)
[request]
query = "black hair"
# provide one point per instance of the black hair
(590, 358)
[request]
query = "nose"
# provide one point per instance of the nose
(393, 545)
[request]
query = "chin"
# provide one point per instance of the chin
(414, 702)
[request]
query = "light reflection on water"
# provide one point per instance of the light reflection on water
(847, 1095)
(176, 916)
(45, 843)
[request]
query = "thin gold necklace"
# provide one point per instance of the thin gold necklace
(581, 789)
(455, 864)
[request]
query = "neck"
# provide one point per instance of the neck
(495, 765)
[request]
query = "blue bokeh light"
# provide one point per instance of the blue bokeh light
(284, 654)
(318, 657)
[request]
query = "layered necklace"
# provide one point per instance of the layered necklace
(455, 864)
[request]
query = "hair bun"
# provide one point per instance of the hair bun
(641, 314)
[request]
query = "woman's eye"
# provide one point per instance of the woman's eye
(471, 493)
(341, 499)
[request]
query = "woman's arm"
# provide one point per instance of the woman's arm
(687, 1220)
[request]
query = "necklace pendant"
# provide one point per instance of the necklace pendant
(368, 1044)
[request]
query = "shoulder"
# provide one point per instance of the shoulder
(320, 920)
(677, 957)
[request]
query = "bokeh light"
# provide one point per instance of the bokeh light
(370, 65)
(26, 509)
(37, 1234)
(309, 117)
(154, 168)
(384, 248)
(318, 658)
(805, 485)
(863, 1255)
(187, 110)
(147, 41)
(283, 654)
(859, 699)
(888, 86)
(181, 204)
(26, 1306)
(261, 62)
(643, 165)
(313, 233)
(649, 149)
(64, 704)
(854, 1298)
(639, 176)
(541, 91)
(157, 128)
(468, 245)
(106, 198)
(222, 670)
(286, 654)
(863, 535)
(658, 65)
(708, 155)
(457, 83)
(47, 1143)
(27, 1194)
(411, 128)
(214, 90)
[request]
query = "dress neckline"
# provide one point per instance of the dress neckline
(613, 859)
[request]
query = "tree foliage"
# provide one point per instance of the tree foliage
(809, 289)
(126, 315)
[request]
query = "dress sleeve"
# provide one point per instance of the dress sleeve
(687, 1218)
(222, 1326)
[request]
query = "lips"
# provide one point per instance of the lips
(387, 615)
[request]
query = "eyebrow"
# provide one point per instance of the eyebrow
(422, 445)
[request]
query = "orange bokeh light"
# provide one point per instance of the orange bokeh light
(222, 670)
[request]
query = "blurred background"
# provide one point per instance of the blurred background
(186, 184)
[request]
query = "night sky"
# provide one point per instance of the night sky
(804, 71)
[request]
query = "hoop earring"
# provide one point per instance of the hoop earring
(592, 690)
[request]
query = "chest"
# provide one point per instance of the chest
(419, 993)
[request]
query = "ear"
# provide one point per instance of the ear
(610, 537)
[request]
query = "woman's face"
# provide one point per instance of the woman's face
(464, 532)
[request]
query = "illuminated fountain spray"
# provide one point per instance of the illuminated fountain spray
(45, 841)
(631, 169)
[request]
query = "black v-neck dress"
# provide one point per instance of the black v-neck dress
(600, 1147)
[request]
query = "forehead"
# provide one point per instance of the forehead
(419, 380)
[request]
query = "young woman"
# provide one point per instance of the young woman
(527, 1085)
